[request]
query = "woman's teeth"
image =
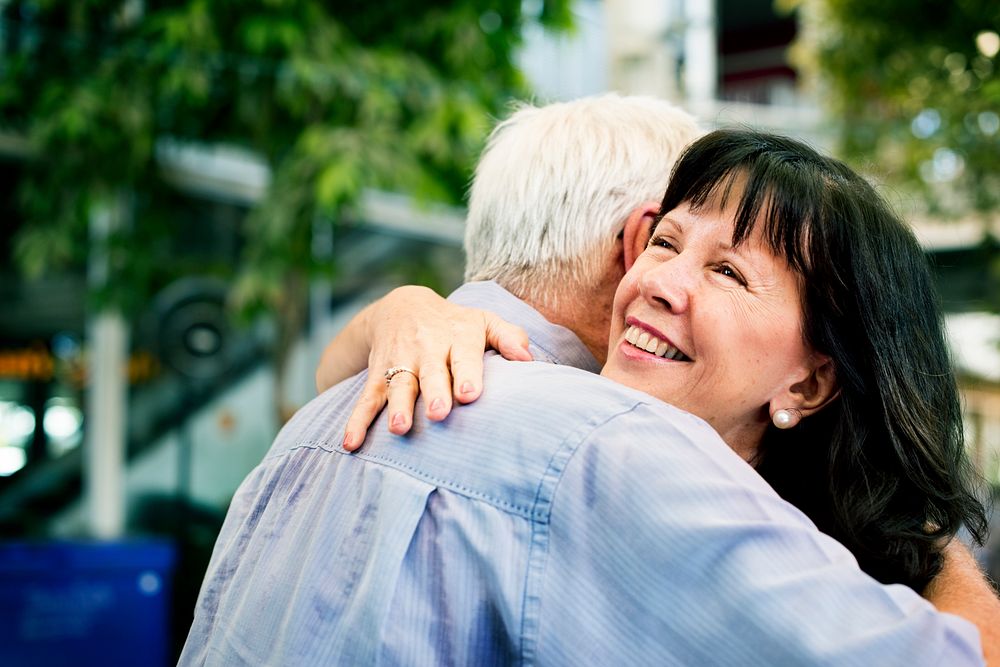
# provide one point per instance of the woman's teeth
(645, 341)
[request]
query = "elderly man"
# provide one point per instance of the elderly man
(513, 535)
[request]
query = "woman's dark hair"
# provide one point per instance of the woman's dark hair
(882, 468)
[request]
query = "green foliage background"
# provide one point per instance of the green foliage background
(336, 96)
(339, 96)
(881, 64)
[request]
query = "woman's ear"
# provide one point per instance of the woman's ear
(638, 226)
(814, 392)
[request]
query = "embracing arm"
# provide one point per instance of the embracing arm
(347, 353)
(412, 327)
(962, 589)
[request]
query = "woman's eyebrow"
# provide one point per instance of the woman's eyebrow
(741, 250)
(665, 218)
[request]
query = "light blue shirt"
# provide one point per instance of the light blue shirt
(562, 519)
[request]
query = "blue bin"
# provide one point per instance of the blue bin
(85, 603)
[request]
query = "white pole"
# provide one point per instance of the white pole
(106, 395)
(700, 55)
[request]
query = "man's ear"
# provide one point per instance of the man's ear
(812, 393)
(638, 226)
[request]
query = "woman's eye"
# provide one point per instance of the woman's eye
(730, 272)
(660, 242)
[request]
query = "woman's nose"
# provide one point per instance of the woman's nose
(670, 283)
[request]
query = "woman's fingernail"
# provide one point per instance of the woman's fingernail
(348, 441)
(467, 387)
(437, 404)
(398, 420)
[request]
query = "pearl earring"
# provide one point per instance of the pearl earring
(786, 418)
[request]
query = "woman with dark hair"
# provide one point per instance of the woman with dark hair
(882, 467)
(769, 261)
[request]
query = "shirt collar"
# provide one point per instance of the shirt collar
(548, 342)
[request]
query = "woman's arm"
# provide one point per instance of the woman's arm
(412, 327)
(962, 589)
(347, 353)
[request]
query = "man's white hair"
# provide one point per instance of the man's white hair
(555, 184)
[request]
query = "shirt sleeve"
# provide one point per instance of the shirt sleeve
(663, 547)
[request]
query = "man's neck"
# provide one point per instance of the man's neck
(592, 333)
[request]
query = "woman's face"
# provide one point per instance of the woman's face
(709, 328)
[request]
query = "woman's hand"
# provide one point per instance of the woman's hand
(414, 328)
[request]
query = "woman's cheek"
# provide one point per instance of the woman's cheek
(628, 289)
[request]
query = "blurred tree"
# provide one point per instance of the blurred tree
(335, 96)
(915, 90)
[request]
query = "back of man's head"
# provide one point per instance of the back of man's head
(554, 185)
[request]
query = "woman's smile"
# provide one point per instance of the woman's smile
(644, 338)
(711, 328)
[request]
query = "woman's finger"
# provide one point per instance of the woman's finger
(369, 404)
(435, 387)
(467, 374)
(510, 340)
(471, 339)
(468, 343)
(401, 394)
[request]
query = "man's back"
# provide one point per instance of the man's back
(561, 519)
(415, 550)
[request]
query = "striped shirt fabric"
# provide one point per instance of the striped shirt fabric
(561, 519)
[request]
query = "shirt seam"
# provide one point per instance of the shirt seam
(545, 494)
(389, 462)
